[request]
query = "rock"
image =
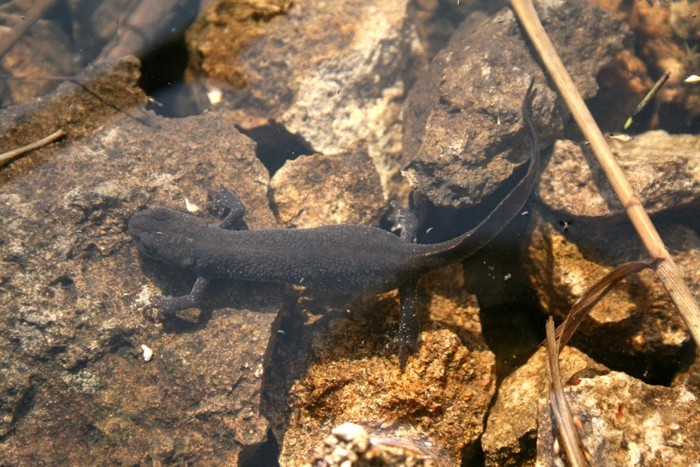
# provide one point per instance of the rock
(320, 190)
(332, 73)
(636, 326)
(79, 109)
(443, 393)
(663, 169)
(97, 23)
(463, 136)
(511, 431)
(662, 31)
(436, 20)
(44, 50)
(627, 422)
(74, 381)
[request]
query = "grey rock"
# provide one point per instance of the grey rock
(663, 169)
(462, 133)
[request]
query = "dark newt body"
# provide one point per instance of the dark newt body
(349, 259)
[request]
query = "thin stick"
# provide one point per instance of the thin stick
(594, 294)
(8, 156)
(666, 269)
(650, 95)
(564, 421)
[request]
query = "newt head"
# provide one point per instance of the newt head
(163, 234)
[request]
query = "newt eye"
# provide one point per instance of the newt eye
(144, 248)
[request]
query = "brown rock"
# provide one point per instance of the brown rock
(77, 389)
(319, 190)
(511, 431)
(627, 422)
(463, 136)
(97, 23)
(42, 51)
(636, 326)
(663, 32)
(663, 169)
(436, 20)
(443, 393)
(107, 90)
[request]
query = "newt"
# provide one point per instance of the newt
(348, 259)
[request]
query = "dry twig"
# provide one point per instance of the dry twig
(584, 305)
(556, 340)
(9, 155)
(666, 268)
(570, 441)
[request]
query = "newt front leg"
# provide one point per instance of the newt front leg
(231, 211)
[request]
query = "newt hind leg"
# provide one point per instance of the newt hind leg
(406, 338)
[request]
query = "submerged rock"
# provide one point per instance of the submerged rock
(663, 169)
(636, 326)
(443, 393)
(623, 421)
(320, 190)
(463, 136)
(74, 380)
(511, 431)
(351, 444)
(332, 73)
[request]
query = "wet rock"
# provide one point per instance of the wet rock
(74, 284)
(511, 431)
(320, 190)
(15, 386)
(663, 31)
(627, 422)
(79, 109)
(443, 393)
(143, 27)
(637, 322)
(663, 169)
(436, 20)
(97, 23)
(463, 136)
(333, 73)
(44, 50)
(689, 374)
